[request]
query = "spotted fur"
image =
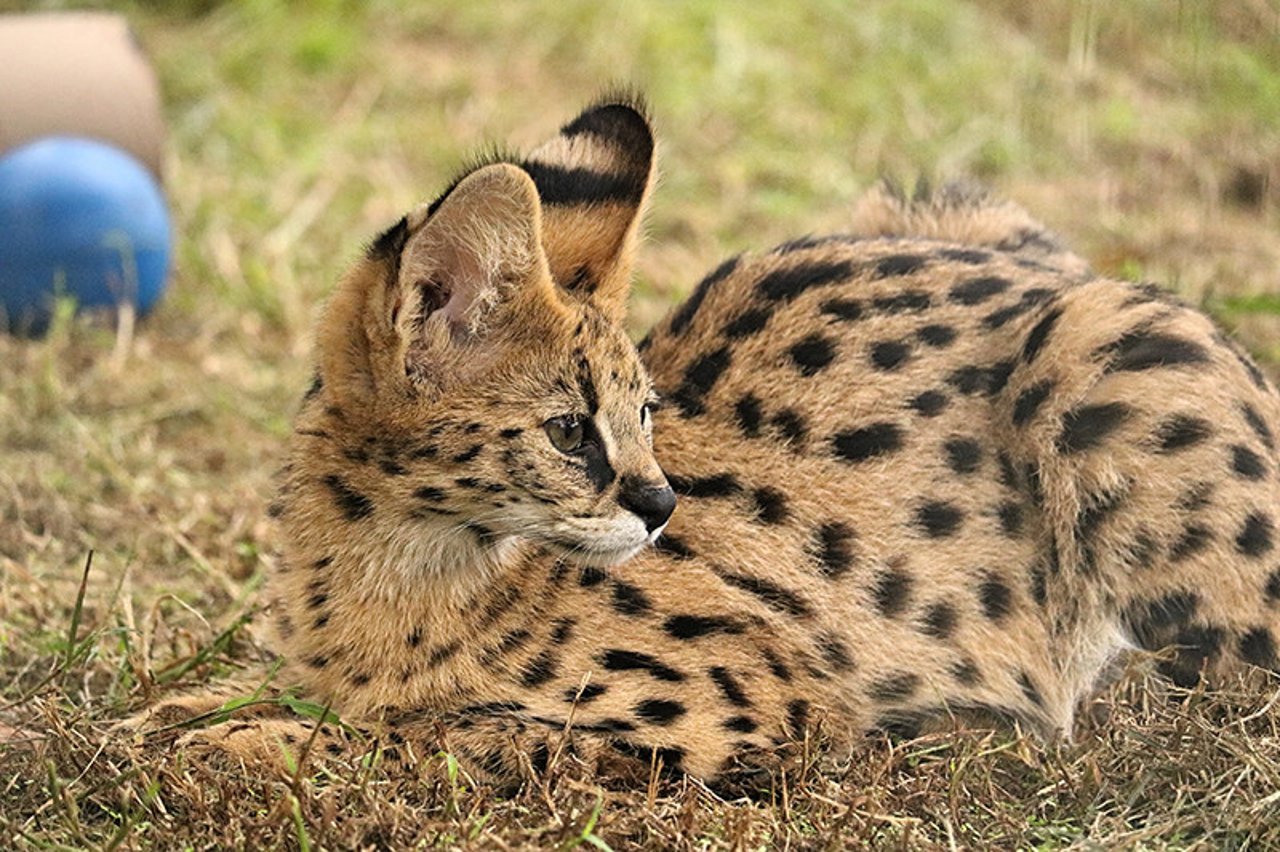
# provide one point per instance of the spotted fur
(931, 469)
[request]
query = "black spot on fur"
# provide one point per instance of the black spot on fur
(894, 687)
(1255, 538)
(1008, 473)
(587, 384)
(963, 454)
(1087, 426)
(770, 594)
(1197, 497)
(590, 576)
(629, 599)
(660, 711)
(1258, 648)
(589, 693)
(903, 302)
(776, 667)
(1246, 463)
(443, 653)
(1095, 509)
(966, 672)
(1181, 431)
(1002, 316)
(1272, 589)
(929, 403)
(847, 310)
(563, 630)
(1039, 334)
(741, 724)
(699, 378)
(1150, 621)
(1194, 539)
(833, 549)
(835, 652)
(856, 445)
(975, 291)
(1143, 552)
(685, 313)
(350, 502)
(1010, 518)
(672, 546)
(539, 670)
(1196, 645)
(1258, 425)
(1143, 349)
(939, 620)
(717, 485)
(972, 380)
(902, 725)
(797, 717)
(812, 354)
(1038, 576)
(938, 519)
(697, 626)
(995, 597)
(936, 336)
(770, 505)
(899, 264)
(973, 257)
(892, 592)
(468, 454)
(748, 414)
(791, 426)
(729, 686)
(1029, 689)
(889, 355)
(746, 324)
(619, 660)
(787, 284)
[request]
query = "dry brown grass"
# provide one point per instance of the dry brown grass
(1148, 132)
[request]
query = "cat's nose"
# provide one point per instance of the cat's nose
(651, 502)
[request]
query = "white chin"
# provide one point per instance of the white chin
(599, 558)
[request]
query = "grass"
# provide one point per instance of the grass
(1147, 132)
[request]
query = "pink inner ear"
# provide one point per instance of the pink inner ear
(433, 295)
(451, 290)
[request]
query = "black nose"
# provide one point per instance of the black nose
(651, 502)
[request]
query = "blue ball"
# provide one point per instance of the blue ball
(80, 218)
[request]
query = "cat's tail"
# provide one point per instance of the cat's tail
(967, 213)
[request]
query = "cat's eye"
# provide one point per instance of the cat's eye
(566, 433)
(647, 410)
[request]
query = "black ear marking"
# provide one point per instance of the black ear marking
(621, 121)
(389, 245)
(565, 187)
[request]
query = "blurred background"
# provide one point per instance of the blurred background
(1146, 132)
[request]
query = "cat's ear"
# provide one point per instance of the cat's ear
(440, 291)
(594, 180)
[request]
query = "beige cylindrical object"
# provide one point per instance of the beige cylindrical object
(78, 74)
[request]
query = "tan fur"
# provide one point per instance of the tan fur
(931, 470)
